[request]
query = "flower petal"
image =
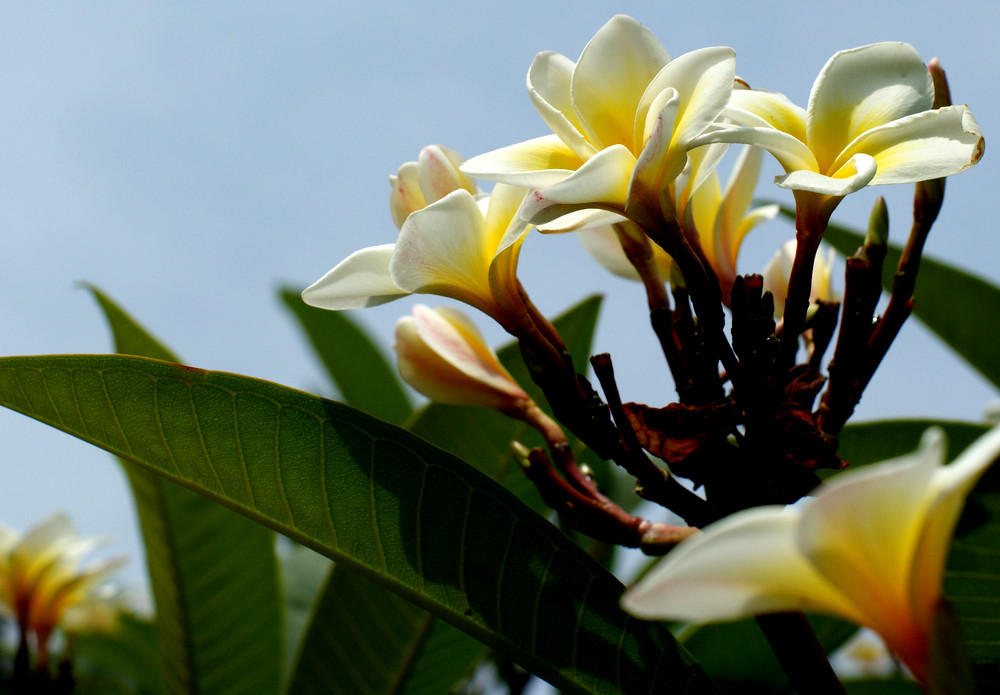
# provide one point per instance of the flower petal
(791, 153)
(611, 77)
(549, 79)
(746, 564)
(857, 173)
(924, 146)
(360, 280)
(863, 88)
(444, 249)
(759, 107)
(534, 163)
(602, 182)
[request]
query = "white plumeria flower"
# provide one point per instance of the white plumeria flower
(443, 355)
(42, 585)
(869, 122)
(458, 245)
(779, 268)
(622, 118)
(870, 547)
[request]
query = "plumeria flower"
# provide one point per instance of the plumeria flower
(43, 586)
(869, 121)
(622, 116)
(458, 245)
(870, 547)
(443, 355)
(721, 218)
(779, 268)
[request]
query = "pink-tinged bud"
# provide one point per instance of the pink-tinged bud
(442, 355)
(418, 184)
(779, 268)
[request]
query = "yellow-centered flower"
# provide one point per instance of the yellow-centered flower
(870, 547)
(622, 117)
(451, 243)
(42, 585)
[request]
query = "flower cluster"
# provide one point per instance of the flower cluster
(631, 164)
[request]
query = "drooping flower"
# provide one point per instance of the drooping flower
(869, 121)
(443, 355)
(43, 586)
(870, 547)
(622, 117)
(779, 268)
(452, 243)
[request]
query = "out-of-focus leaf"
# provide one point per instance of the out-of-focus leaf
(304, 575)
(213, 572)
(371, 496)
(956, 305)
(880, 440)
(355, 364)
(125, 660)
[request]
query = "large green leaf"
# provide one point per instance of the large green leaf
(329, 658)
(956, 305)
(212, 571)
(368, 495)
(361, 373)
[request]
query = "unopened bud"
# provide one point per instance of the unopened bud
(442, 355)
(942, 94)
(878, 225)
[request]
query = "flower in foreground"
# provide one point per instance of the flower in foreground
(622, 118)
(442, 355)
(869, 121)
(43, 586)
(451, 243)
(870, 548)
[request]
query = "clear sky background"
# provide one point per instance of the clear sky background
(190, 157)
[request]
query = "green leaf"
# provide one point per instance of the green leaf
(951, 302)
(367, 640)
(328, 660)
(355, 364)
(872, 442)
(213, 572)
(123, 660)
(304, 576)
(371, 496)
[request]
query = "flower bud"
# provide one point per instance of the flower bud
(418, 184)
(442, 355)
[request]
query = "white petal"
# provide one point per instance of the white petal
(611, 77)
(759, 107)
(853, 176)
(924, 146)
(579, 220)
(602, 182)
(863, 88)
(535, 163)
(360, 280)
(603, 245)
(549, 80)
(744, 565)
(444, 249)
(792, 154)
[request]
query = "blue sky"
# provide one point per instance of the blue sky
(189, 157)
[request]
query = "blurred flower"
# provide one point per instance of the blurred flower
(870, 548)
(869, 122)
(779, 268)
(451, 243)
(622, 118)
(443, 355)
(43, 587)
